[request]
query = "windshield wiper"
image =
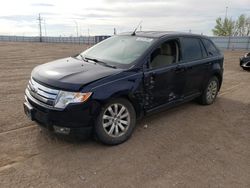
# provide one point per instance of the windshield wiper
(98, 61)
(83, 58)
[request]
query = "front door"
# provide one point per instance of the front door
(164, 78)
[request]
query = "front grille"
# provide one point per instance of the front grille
(41, 94)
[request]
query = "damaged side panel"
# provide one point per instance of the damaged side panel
(163, 86)
(129, 86)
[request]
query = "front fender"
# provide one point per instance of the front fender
(129, 87)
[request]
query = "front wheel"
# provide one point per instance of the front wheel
(115, 122)
(210, 92)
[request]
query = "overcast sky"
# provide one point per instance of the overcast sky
(19, 17)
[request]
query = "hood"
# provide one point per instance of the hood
(70, 73)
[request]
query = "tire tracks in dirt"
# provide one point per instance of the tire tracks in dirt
(17, 129)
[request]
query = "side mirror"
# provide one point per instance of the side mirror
(210, 54)
(146, 65)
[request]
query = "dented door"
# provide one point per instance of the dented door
(164, 85)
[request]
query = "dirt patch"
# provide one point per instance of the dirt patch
(188, 146)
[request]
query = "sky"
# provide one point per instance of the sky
(100, 17)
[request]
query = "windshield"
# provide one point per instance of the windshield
(119, 50)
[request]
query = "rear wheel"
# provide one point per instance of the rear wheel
(210, 92)
(116, 122)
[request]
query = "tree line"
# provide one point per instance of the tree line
(230, 27)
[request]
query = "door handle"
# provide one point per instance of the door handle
(179, 69)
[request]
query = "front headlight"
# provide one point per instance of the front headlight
(64, 98)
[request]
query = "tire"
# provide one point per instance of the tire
(116, 122)
(210, 92)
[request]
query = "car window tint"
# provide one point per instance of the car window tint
(203, 50)
(211, 49)
(191, 49)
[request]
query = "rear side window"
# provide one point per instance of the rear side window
(191, 49)
(203, 50)
(211, 49)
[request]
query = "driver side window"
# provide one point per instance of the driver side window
(167, 53)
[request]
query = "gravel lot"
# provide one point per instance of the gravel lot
(188, 146)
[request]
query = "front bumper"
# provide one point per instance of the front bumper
(75, 118)
(245, 64)
(242, 61)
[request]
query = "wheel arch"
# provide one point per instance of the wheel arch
(130, 98)
(219, 77)
(129, 89)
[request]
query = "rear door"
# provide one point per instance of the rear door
(197, 66)
(213, 55)
(164, 77)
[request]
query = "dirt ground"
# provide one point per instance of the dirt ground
(188, 146)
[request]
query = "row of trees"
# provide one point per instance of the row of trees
(230, 27)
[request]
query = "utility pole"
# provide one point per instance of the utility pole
(76, 28)
(40, 27)
(88, 36)
(226, 12)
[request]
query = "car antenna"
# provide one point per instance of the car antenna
(133, 34)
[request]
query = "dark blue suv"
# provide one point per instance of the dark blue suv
(106, 88)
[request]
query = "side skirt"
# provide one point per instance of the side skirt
(171, 104)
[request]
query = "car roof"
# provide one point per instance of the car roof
(160, 34)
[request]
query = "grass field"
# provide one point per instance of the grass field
(188, 146)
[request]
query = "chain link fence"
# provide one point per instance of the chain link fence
(222, 42)
(74, 40)
(232, 42)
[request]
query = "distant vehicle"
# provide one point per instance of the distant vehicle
(106, 88)
(245, 61)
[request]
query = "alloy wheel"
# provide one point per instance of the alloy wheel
(116, 120)
(212, 91)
